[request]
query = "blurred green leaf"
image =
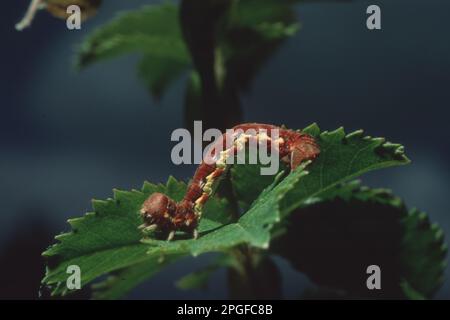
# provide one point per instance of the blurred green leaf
(256, 30)
(152, 31)
(335, 238)
(423, 254)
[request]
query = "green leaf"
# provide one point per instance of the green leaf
(343, 157)
(423, 255)
(248, 183)
(256, 30)
(252, 228)
(155, 32)
(152, 31)
(334, 239)
(158, 75)
(108, 239)
(346, 156)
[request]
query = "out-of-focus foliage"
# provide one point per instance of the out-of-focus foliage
(350, 228)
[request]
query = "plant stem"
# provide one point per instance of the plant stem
(257, 276)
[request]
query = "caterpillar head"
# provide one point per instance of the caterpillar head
(157, 211)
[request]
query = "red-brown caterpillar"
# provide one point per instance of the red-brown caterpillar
(159, 212)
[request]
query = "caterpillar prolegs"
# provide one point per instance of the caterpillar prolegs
(159, 212)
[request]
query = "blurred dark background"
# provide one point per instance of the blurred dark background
(68, 137)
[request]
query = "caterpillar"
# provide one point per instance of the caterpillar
(159, 212)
